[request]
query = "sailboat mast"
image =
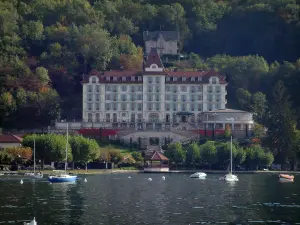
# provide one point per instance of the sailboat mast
(231, 154)
(66, 163)
(34, 156)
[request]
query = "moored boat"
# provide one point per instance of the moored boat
(198, 175)
(286, 178)
(33, 222)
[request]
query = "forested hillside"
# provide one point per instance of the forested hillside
(47, 45)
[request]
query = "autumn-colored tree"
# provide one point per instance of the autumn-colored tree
(25, 153)
(227, 131)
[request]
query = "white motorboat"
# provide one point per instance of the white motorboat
(63, 177)
(33, 222)
(286, 178)
(231, 177)
(198, 175)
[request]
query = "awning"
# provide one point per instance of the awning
(184, 114)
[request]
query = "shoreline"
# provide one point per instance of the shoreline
(110, 171)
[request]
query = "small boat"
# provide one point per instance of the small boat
(33, 222)
(231, 177)
(198, 175)
(286, 178)
(34, 174)
(62, 176)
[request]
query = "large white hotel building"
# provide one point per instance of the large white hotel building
(154, 98)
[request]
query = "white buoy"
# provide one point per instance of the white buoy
(150, 179)
(129, 177)
(21, 181)
(85, 180)
(163, 177)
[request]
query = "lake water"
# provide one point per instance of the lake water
(116, 199)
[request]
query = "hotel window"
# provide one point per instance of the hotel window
(210, 98)
(149, 97)
(150, 89)
(174, 106)
(115, 106)
(115, 98)
(192, 89)
(209, 89)
(139, 78)
(199, 88)
(150, 80)
(174, 118)
(97, 88)
(218, 98)
(90, 106)
(192, 107)
(168, 106)
(184, 79)
(174, 89)
(107, 97)
(97, 106)
(124, 107)
(132, 89)
(124, 98)
(192, 97)
(132, 106)
(157, 80)
(157, 88)
(97, 98)
(218, 106)
(114, 88)
(108, 88)
(157, 106)
(89, 97)
(157, 98)
(200, 98)
(140, 88)
(199, 107)
(168, 97)
(123, 78)
(199, 78)
(90, 117)
(107, 106)
(149, 106)
(218, 89)
(183, 107)
(132, 78)
(213, 80)
(183, 98)
(192, 78)
(183, 88)
(107, 117)
(140, 106)
(140, 97)
(115, 78)
(174, 97)
(167, 78)
(97, 117)
(90, 88)
(209, 106)
(124, 88)
(168, 88)
(107, 78)
(94, 80)
(174, 78)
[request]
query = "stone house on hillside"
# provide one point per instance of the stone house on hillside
(166, 42)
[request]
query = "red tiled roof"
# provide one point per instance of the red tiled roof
(157, 156)
(10, 138)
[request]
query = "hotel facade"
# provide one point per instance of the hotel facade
(155, 98)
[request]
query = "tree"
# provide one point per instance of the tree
(227, 133)
(137, 156)
(193, 154)
(24, 153)
(84, 150)
(258, 130)
(208, 153)
(115, 156)
(281, 124)
(258, 105)
(243, 98)
(49, 147)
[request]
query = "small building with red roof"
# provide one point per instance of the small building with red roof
(10, 140)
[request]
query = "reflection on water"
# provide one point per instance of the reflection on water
(115, 199)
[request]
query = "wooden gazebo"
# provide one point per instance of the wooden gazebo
(156, 163)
